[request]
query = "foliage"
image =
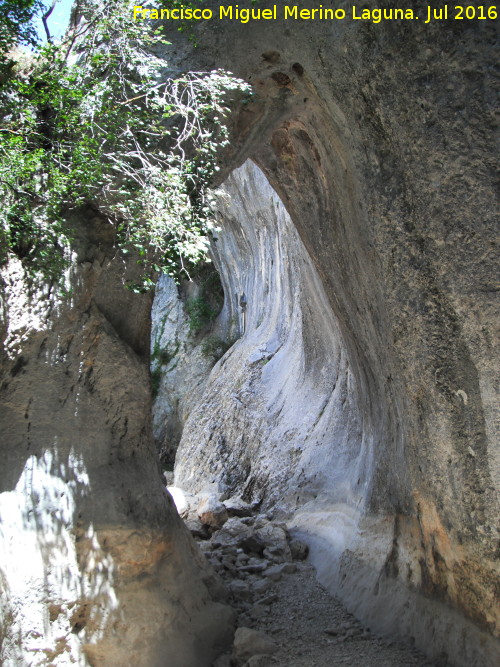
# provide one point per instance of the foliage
(156, 376)
(163, 355)
(214, 347)
(204, 308)
(200, 313)
(16, 25)
(101, 124)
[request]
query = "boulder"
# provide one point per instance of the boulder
(182, 500)
(274, 538)
(212, 512)
(236, 506)
(236, 532)
(196, 527)
(249, 643)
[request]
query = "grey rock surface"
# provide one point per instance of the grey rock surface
(177, 364)
(249, 643)
(362, 400)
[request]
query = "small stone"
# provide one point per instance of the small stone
(288, 568)
(275, 571)
(229, 566)
(353, 632)
(240, 589)
(334, 631)
(248, 643)
(212, 512)
(269, 599)
(237, 507)
(222, 661)
(229, 550)
(299, 549)
(254, 568)
(262, 586)
(242, 559)
(258, 612)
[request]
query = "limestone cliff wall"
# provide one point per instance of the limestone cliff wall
(361, 401)
(365, 403)
(96, 567)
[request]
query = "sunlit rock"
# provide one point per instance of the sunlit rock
(96, 568)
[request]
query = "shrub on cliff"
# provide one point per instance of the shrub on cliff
(93, 119)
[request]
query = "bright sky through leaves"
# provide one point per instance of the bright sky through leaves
(58, 21)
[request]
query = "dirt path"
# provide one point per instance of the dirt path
(313, 629)
(275, 591)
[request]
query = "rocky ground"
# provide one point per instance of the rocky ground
(285, 617)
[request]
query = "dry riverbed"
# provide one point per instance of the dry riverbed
(285, 617)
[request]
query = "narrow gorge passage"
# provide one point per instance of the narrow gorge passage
(284, 616)
(331, 390)
(285, 421)
(278, 420)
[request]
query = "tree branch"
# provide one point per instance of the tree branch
(32, 195)
(44, 20)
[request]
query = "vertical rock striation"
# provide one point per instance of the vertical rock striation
(283, 405)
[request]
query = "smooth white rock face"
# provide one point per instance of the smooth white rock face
(283, 404)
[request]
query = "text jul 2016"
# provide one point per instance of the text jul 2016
(294, 12)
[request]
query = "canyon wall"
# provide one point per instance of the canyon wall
(96, 568)
(361, 401)
(358, 217)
